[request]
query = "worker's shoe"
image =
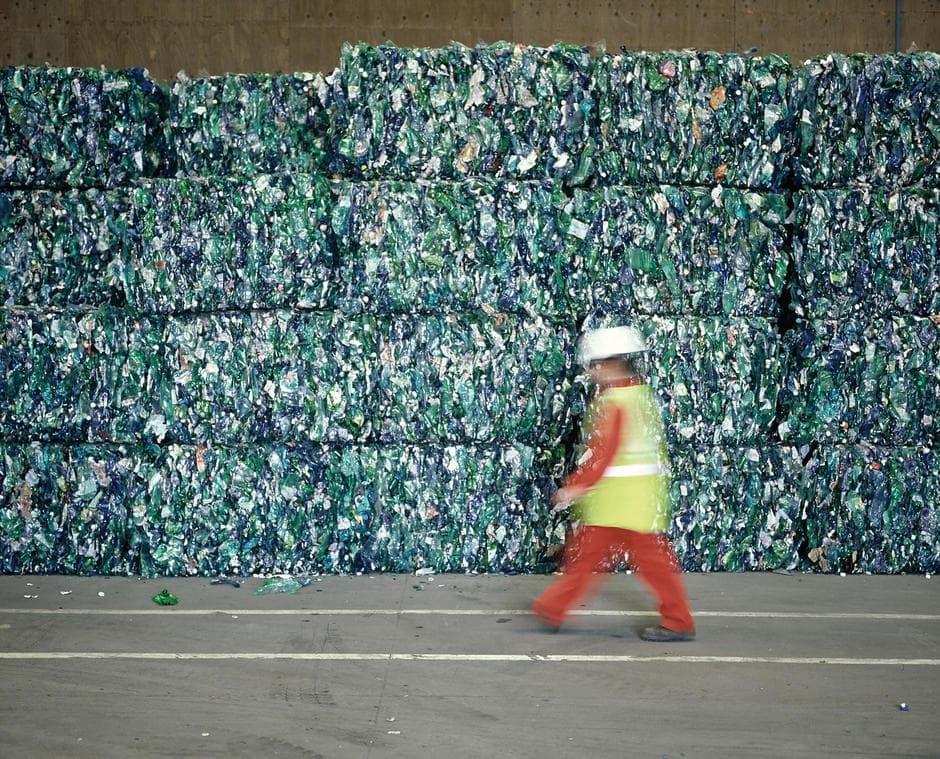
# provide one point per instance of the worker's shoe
(660, 634)
(551, 622)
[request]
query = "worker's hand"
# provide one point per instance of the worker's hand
(564, 497)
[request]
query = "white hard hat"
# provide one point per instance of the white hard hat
(606, 343)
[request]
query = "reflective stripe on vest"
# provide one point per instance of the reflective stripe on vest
(633, 470)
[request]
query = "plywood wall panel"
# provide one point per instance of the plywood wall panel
(920, 24)
(641, 25)
(216, 35)
(808, 28)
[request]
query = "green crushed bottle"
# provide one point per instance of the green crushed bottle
(165, 598)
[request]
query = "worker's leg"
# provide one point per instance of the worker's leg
(656, 565)
(584, 556)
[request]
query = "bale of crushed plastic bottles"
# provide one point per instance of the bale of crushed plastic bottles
(868, 119)
(475, 378)
(74, 127)
(442, 113)
(250, 124)
(872, 509)
(62, 249)
(267, 376)
(675, 251)
(695, 118)
(77, 374)
(866, 251)
(230, 243)
(865, 379)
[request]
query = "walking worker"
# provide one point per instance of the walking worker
(620, 490)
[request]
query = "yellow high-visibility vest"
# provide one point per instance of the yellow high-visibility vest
(633, 492)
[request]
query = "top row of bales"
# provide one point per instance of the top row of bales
(504, 111)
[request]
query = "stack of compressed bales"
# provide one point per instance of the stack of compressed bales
(688, 242)
(71, 127)
(863, 390)
(250, 369)
(462, 279)
(494, 110)
(75, 367)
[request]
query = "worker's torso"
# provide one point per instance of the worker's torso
(634, 492)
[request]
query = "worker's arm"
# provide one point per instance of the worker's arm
(601, 450)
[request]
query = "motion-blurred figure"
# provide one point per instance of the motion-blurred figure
(620, 490)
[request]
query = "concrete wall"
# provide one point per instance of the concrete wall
(215, 36)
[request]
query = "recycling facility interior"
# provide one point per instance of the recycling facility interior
(325, 322)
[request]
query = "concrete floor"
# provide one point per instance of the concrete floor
(760, 680)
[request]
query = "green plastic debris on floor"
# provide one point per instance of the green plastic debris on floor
(736, 508)
(870, 119)
(248, 124)
(716, 379)
(671, 250)
(165, 598)
(227, 243)
(874, 380)
(73, 127)
(695, 118)
(282, 585)
(872, 509)
(493, 110)
(475, 378)
(63, 248)
(866, 251)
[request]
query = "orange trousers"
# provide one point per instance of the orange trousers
(587, 550)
